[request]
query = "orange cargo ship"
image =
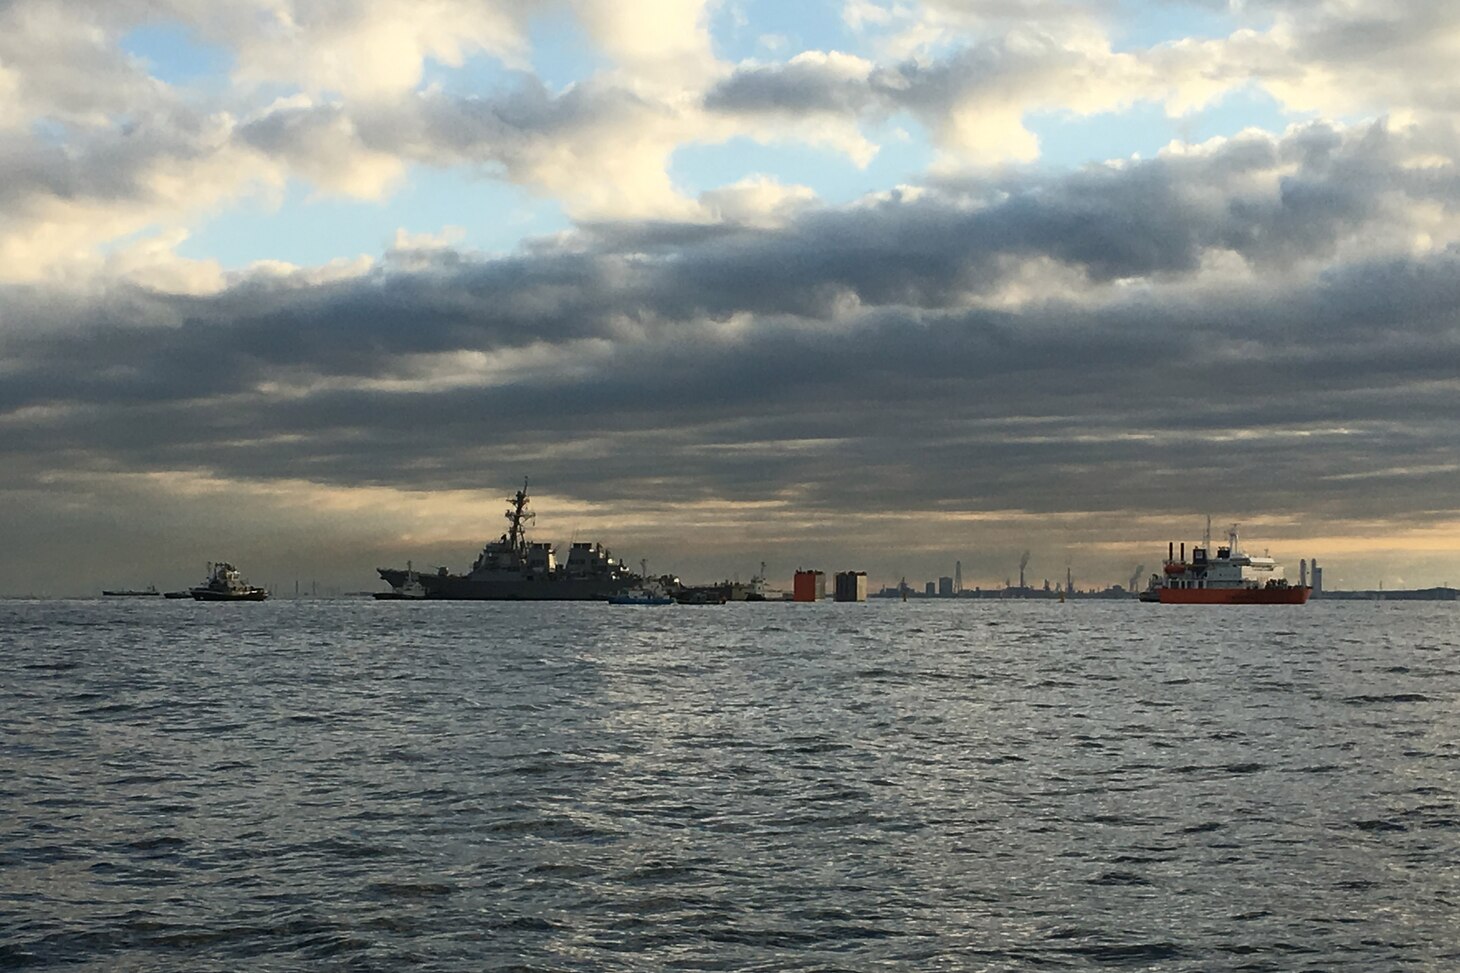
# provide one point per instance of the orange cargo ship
(1230, 577)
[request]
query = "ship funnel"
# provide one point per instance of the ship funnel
(1170, 550)
(1183, 551)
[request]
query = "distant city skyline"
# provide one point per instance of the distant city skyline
(850, 284)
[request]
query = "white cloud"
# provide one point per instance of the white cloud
(662, 46)
(128, 159)
(365, 49)
(59, 61)
(322, 144)
(758, 200)
(153, 263)
(60, 205)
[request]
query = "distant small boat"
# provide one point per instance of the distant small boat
(640, 596)
(184, 593)
(148, 592)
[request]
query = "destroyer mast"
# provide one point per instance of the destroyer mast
(518, 517)
(514, 542)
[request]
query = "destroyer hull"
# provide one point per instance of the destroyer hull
(454, 587)
(1294, 595)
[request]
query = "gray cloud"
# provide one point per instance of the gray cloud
(995, 409)
(848, 359)
(793, 88)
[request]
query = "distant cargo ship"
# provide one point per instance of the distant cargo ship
(1230, 577)
(512, 568)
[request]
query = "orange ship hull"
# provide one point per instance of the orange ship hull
(1294, 595)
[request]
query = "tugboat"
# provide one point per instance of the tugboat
(410, 589)
(649, 594)
(226, 584)
(656, 591)
(1230, 577)
(513, 569)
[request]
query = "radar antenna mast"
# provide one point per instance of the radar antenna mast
(518, 517)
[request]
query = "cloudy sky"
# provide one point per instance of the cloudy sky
(311, 285)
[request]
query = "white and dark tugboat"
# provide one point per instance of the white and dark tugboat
(226, 584)
(656, 591)
(410, 588)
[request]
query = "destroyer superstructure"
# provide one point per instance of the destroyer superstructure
(513, 568)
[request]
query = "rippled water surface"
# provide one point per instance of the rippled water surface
(958, 786)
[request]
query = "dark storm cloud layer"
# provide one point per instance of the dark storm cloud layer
(836, 357)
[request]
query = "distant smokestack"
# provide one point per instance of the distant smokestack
(1023, 563)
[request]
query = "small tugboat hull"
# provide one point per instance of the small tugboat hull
(257, 595)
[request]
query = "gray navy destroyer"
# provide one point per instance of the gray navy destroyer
(512, 568)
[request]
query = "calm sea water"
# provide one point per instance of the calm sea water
(943, 786)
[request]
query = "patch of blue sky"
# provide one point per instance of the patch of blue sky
(309, 230)
(1067, 140)
(766, 30)
(562, 52)
(480, 74)
(174, 55)
(48, 131)
(1143, 24)
(1248, 107)
(903, 157)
